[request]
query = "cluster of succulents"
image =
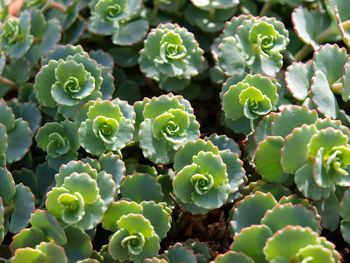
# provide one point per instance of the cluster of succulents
(165, 131)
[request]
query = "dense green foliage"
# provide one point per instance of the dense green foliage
(174, 131)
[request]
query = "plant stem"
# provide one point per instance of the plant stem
(36, 40)
(337, 87)
(211, 13)
(302, 53)
(8, 83)
(177, 204)
(58, 6)
(8, 210)
(155, 11)
(211, 10)
(177, 7)
(329, 32)
(325, 35)
(321, 38)
(266, 7)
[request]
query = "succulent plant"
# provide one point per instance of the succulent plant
(167, 123)
(138, 229)
(50, 241)
(205, 176)
(106, 126)
(300, 147)
(251, 44)
(81, 195)
(291, 221)
(60, 141)
(308, 246)
(294, 211)
(248, 161)
(15, 37)
(72, 77)
(247, 100)
(171, 56)
(44, 252)
(117, 18)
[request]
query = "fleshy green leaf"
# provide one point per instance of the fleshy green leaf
(302, 237)
(23, 202)
(141, 187)
(268, 160)
(244, 216)
(251, 241)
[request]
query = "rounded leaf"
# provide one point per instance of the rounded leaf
(295, 236)
(294, 215)
(243, 215)
(267, 160)
(251, 241)
(141, 187)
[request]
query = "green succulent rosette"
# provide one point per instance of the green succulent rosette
(248, 100)
(251, 45)
(68, 79)
(138, 229)
(107, 126)
(308, 245)
(15, 37)
(261, 225)
(289, 210)
(166, 123)
(106, 14)
(299, 147)
(15, 136)
(171, 56)
(60, 141)
(158, 214)
(206, 177)
(118, 18)
(135, 240)
(43, 252)
(72, 244)
(81, 195)
(304, 245)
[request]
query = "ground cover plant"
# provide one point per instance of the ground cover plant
(174, 131)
